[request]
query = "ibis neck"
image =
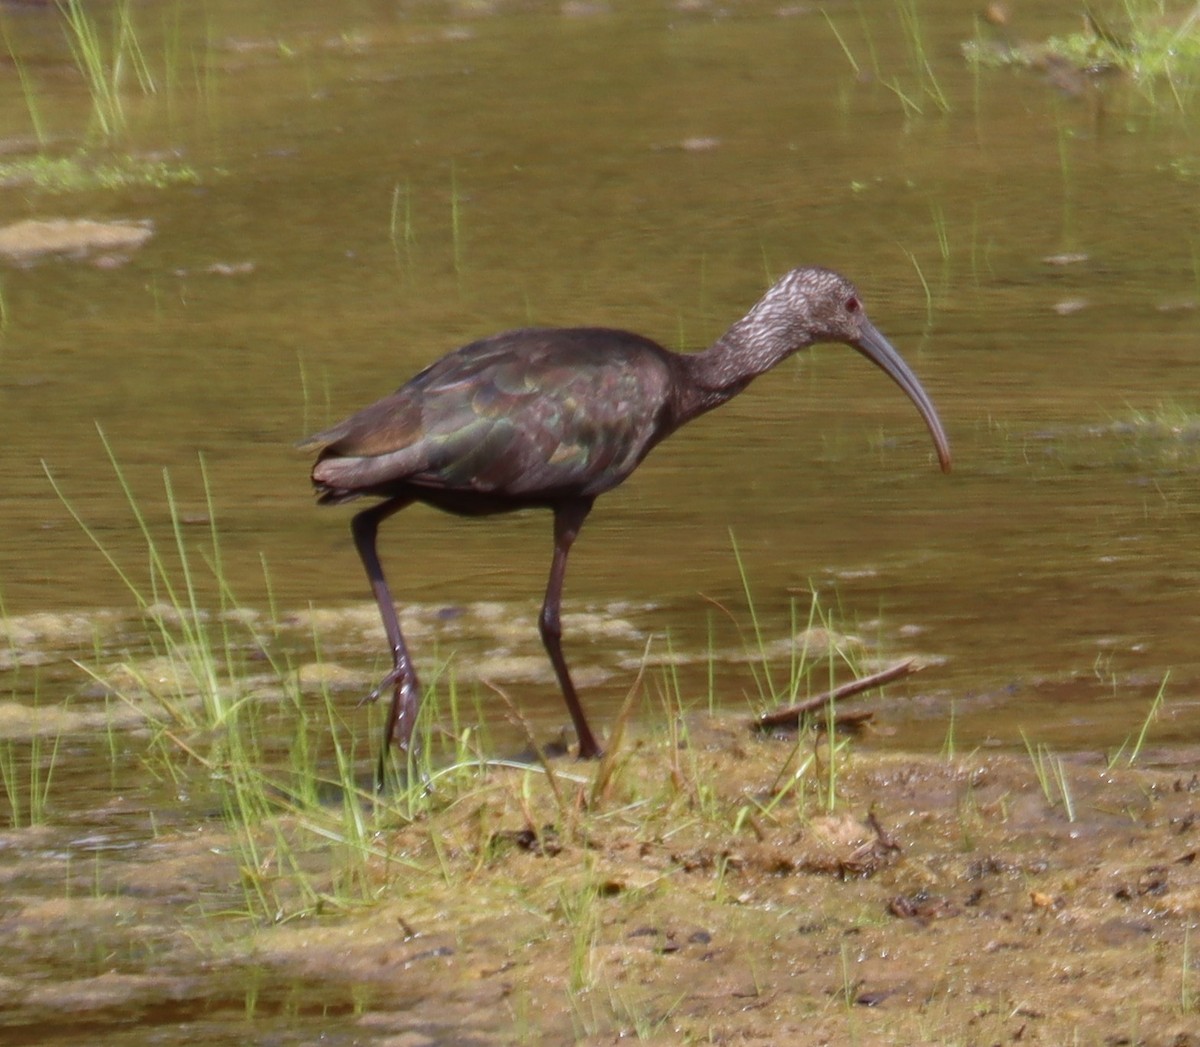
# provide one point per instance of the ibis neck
(718, 373)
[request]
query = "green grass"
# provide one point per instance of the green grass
(578, 907)
(84, 173)
(110, 47)
(214, 730)
(1131, 748)
(27, 765)
(1163, 439)
(924, 286)
(402, 227)
(808, 627)
(816, 655)
(1166, 436)
(1167, 419)
(920, 67)
(228, 725)
(1051, 775)
(102, 64)
(28, 87)
(950, 744)
(111, 61)
(26, 773)
(920, 89)
(400, 224)
(1154, 43)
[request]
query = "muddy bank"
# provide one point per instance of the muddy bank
(703, 886)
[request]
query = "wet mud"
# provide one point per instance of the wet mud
(710, 886)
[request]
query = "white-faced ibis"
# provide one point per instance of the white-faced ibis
(551, 418)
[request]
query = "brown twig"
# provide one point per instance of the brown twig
(790, 716)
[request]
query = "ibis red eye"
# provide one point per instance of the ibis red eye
(852, 305)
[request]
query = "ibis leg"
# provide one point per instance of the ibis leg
(568, 519)
(406, 691)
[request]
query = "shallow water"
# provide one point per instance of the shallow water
(648, 168)
(380, 183)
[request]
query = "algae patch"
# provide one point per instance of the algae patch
(76, 174)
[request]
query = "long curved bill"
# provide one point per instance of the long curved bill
(881, 352)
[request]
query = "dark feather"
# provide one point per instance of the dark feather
(535, 415)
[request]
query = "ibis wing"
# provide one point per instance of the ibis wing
(528, 414)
